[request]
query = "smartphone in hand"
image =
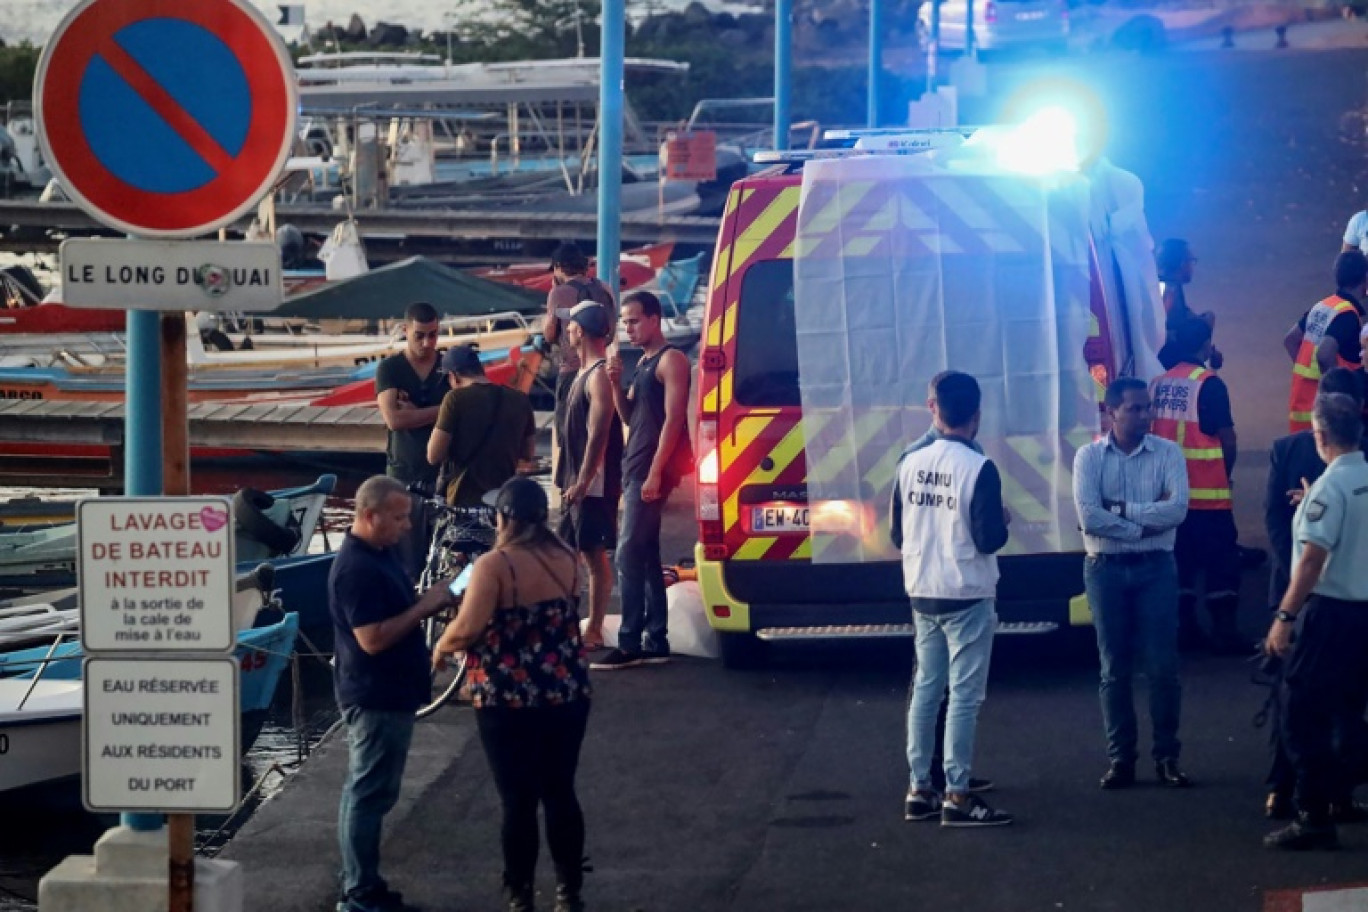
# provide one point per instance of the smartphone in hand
(457, 587)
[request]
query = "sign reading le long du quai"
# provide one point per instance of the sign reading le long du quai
(170, 275)
(156, 574)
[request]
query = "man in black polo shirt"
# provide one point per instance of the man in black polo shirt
(380, 676)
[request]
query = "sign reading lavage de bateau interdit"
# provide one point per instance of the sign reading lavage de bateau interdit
(156, 574)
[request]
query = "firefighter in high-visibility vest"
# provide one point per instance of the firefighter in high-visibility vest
(1192, 408)
(1327, 336)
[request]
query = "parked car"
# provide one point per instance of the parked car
(998, 24)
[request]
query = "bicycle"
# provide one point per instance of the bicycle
(459, 536)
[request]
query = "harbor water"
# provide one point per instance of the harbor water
(54, 823)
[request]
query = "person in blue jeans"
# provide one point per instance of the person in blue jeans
(653, 407)
(948, 521)
(380, 677)
(1131, 493)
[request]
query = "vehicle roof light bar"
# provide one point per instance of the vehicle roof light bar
(905, 142)
(859, 132)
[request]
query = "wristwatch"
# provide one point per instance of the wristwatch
(1118, 508)
(1286, 617)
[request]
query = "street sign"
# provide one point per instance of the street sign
(161, 734)
(165, 118)
(156, 574)
(171, 275)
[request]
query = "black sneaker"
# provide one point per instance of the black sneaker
(1118, 776)
(568, 900)
(1302, 834)
(616, 660)
(921, 806)
(973, 811)
(655, 655)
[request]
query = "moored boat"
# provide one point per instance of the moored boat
(266, 524)
(41, 707)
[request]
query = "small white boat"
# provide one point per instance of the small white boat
(36, 620)
(40, 732)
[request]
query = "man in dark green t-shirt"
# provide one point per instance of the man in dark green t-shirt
(408, 389)
(482, 429)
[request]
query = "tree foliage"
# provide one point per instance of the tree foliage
(513, 29)
(17, 66)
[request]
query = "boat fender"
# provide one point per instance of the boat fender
(249, 511)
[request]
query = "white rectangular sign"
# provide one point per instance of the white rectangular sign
(156, 574)
(161, 735)
(171, 275)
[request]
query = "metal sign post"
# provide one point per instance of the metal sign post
(166, 119)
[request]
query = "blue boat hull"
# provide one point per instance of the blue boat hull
(263, 653)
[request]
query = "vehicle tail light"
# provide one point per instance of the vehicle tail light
(709, 497)
(989, 12)
(708, 490)
(722, 611)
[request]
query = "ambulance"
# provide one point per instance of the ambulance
(843, 280)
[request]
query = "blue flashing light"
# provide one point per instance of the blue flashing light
(1046, 142)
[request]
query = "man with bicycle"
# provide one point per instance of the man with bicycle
(482, 431)
(381, 678)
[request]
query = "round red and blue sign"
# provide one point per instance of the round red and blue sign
(165, 118)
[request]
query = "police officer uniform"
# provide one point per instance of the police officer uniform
(1326, 677)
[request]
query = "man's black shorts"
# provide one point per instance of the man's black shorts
(589, 525)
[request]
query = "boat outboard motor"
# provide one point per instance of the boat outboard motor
(265, 577)
(290, 240)
(265, 526)
(271, 611)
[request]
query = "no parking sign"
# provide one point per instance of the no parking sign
(165, 118)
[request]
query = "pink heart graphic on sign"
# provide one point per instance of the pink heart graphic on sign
(213, 518)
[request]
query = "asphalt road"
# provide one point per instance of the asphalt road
(782, 789)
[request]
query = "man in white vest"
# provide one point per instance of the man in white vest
(948, 521)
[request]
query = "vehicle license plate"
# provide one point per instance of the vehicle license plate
(1028, 17)
(779, 518)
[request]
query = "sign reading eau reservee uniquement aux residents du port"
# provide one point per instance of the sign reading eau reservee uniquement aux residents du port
(156, 574)
(161, 734)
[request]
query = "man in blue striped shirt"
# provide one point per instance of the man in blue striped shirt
(1131, 492)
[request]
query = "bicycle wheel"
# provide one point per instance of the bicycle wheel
(447, 682)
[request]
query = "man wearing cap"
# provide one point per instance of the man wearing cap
(408, 390)
(572, 285)
(589, 473)
(482, 430)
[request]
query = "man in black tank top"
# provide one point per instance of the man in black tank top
(589, 473)
(654, 409)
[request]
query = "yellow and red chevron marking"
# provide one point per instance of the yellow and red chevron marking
(764, 434)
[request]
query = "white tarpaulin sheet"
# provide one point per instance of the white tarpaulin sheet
(904, 268)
